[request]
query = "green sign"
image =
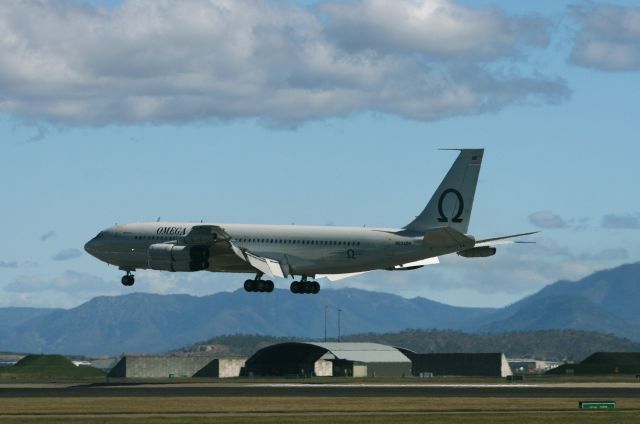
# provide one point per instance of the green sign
(597, 404)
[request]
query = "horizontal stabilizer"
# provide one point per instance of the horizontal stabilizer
(502, 239)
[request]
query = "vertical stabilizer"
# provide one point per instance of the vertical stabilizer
(451, 204)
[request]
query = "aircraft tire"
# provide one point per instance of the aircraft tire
(295, 287)
(316, 287)
(248, 286)
(270, 286)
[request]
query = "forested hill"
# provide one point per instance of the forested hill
(554, 345)
(606, 302)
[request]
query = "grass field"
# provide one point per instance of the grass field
(308, 410)
(317, 409)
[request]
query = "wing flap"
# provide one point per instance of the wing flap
(270, 267)
(265, 265)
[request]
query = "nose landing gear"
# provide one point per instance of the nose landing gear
(128, 279)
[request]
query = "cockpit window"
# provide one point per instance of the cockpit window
(100, 234)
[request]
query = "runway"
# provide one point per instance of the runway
(604, 391)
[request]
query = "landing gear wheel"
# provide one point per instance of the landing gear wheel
(261, 286)
(128, 280)
(305, 287)
(248, 285)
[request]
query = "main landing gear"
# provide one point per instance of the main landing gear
(128, 279)
(305, 287)
(258, 285)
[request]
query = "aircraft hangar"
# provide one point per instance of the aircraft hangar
(328, 359)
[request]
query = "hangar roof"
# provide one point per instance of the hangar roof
(310, 352)
(364, 352)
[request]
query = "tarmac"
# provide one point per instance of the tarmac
(562, 390)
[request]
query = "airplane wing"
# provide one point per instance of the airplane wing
(503, 240)
(416, 264)
(400, 267)
(336, 277)
(211, 234)
(267, 266)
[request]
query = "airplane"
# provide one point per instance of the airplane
(307, 252)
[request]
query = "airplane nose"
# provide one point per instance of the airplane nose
(90, 247)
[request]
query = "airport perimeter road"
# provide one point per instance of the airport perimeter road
(325, 390)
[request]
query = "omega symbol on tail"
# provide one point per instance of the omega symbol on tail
(444, 194)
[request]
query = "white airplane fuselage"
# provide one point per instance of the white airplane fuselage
(308, 250)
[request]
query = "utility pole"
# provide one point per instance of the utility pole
(339, 312)
(325, 322)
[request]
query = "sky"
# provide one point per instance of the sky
(320, 113)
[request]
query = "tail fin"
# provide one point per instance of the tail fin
(451, 204)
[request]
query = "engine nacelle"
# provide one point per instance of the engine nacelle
(168, 257)
(478, 252)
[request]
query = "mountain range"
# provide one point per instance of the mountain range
(605, 301)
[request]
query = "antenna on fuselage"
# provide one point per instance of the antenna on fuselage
(158, 220)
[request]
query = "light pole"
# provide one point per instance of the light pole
(325, 322)
(339, 312)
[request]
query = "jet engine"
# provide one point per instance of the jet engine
(169, 257)
(478, 252)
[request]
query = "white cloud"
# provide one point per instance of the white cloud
(71, 282)
(66, 254)
(194, 60)
(72, 288)
(547, 219)
(439, 29)
(46, 236)
(526, 268)
(621, 222)
(515, 271)
(608, 37)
